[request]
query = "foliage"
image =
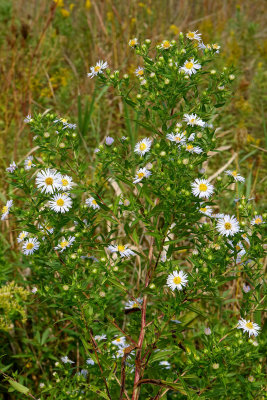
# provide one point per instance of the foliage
(107, 230)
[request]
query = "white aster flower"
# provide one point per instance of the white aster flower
(109, 140)
(89, 361)
(177, 280)
(46, 228)
(22, 236)
(207, 210)
(64, 243)
(227, 225)
(235, 175)
(66, 182)
(207, 331)
(244, 236)
(119, 341)
(66, 360)
(60, 203)
(140, 174)
(239, 249)
(97, 69)
(165, 364)
(190, 66)
(133, 42)
(216, 47)
(257, 220)
(139, 71)
(91, 202)
(5, 209)
(165, 45)
(247, 326)
(201, 46)
(28, 163)
(100, 337)
(34, 290)
(178, 138)
(30, 246)
(12, 167)
(143, 146)
(191, 137)
(133, 304)
(123, 250)
(48, 180)
(193, 149)
(202, 188)
(28, 119)
(193, 119)
(193, 35)
(246, 288)
(119, 353)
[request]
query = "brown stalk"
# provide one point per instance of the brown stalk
(98, 362)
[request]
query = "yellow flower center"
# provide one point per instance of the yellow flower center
(166, 44)
(29, 163)
(203, 187)
(118, 340)
(192, 120)
(258, 221)
(49, 181)
(234, 173)
(60, 202)
(132, 42)
(189, 65)
(203, 209)
(121, 248)
(238, 247)
(4, 209)
(227, 226)
(142, 146)
(64, 243)
(94, 202)
(177, 138)
(140, 175)
(249, 325)
(191, 35)
(189, 147)
(215, 46)
(22, 235)
(208, 46)
(29, 246)
(97, 68)
(177, 280)
(64, 182)
(135, 305)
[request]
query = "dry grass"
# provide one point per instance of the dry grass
(47, 48)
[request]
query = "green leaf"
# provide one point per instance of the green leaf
(17, 386)
(99, 392)
(45, 336)
(179, 388)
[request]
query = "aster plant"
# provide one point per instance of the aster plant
(135, 246)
